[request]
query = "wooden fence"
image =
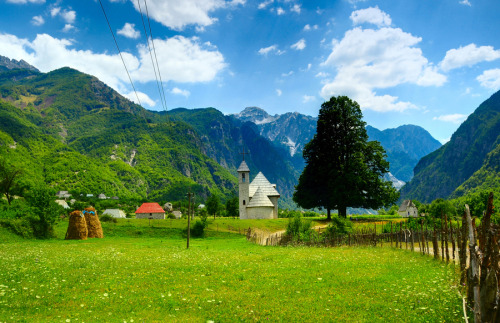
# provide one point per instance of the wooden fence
(475, 249)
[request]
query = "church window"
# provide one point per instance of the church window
(243, 202)
(243, 177)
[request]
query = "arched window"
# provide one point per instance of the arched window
(243, 202)
(243, 177)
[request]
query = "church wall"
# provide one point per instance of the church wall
(244, 191)
(156, 216)
(264, 212)
(274, 199)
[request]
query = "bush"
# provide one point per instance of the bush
(338, 226)
(107, 218)
(198, 229)
(22, 227)
(171, 216)
(298, 230)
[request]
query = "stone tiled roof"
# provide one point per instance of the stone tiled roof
(260, 199)
(406, 204)
(243, 167)
(261, 181)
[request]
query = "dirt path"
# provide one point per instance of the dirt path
(265, 238)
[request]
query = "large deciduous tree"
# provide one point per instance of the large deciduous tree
(8, 180)
(343, 169)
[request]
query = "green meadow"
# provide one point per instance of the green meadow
(142, 273)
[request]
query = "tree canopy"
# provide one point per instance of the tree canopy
(343, 169)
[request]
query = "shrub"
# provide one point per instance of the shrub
(198, 229)
(299, 230)
(170, 216)
(107, 218)
(338, 226)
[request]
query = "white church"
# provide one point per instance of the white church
(258, 199)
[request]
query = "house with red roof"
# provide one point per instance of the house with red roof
(150, 210)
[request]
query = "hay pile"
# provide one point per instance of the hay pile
(77, 227)
(93, 224)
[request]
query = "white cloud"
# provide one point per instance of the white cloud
(296, 8)
(490, 79)
(300, 45)
(465, 2)
(309, 27)
(69, 16)
(287, 74)
(372, 16)
(445, 140)
(468, 56)
(181, 60)
(271, 49)
(308, 98)
(280, 11)
(178, 91)
(25, 1)
(177, 14)
(37, 20)
(455, 118)
(263, 5)
(129, 31)
(367, 59)
(279, 92)
(68, 28)
(143, 97)
(322, 74)
(55, 11)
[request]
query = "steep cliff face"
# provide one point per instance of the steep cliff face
(440, 173)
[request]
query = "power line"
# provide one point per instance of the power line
(151, 55)
(119, 51)
(156, 58)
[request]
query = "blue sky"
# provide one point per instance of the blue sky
(423, 62)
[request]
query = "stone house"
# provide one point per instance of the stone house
(408, 209)
(150, 210)
(115, 213)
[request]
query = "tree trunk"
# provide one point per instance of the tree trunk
(343, 211)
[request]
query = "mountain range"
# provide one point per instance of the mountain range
(74, 132)
(468, 163)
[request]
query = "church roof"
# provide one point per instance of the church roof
(260, 199)
(406, 205)
(243, 167)
(261, 181)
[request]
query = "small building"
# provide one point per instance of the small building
(177, 214)
(408, 209)
(101, 196)
(115, 213)
(150, 210)
(168, 207)
(115, 198)
(257, 199)
(63, 203)
(90, 195)
(201, 206)
(63, 194)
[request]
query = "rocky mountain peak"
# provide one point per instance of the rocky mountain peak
(255, 115)
(8, 64)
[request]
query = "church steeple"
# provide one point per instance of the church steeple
(244, 188)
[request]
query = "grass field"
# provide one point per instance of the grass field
(150, 277)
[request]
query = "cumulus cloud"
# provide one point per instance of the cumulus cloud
(490, 79)
(265, 4)
(129, 31)
(468, 56)
(300, 45)
(271, 49)
(279, 92)
(290, 73)
(371, 16)
(68, 28)
(55, 11)
(280, 11)
(308, 98)
(177, 14)
(69, 16)
(368, 59)
(309, 27)
(37, 20)
(25, 1)
(466, 3)
(181, 60)
(296, 8)
(143, 97)
(178, 91)
(455, 118)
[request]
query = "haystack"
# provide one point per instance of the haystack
(93, 223)
(77, 227)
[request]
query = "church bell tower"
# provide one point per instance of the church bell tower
(244, 188)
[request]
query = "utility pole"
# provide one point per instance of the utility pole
(189, 217)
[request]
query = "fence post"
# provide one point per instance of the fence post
(474, 268)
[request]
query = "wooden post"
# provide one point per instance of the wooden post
(463, 249)
(427, 240)
(391, 234)
(442, 239)
(452, 236)
(435, 244)
(422, 235)
(189, 219)
(400, 235)
(474, 268)
(446, 238)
